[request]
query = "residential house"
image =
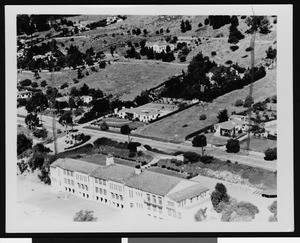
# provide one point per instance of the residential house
(160, 46)
(24, 94)
(122, 187)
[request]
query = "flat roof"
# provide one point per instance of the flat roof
(186, 193)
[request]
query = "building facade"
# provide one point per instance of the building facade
(125, 188)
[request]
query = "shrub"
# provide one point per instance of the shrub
(75, 80)
(25, 82)
(192, 157)
(22, 166)
(102, 64)
(202, 117)
(200, 215)
(163, 166)
(65, 85)
(239, 102)
(84, 216)
(140, 153)
(218, 196)
(248, 49)
(40, 133)
(274, 99)
(213, 53)
(178, 163)
(233, 146)
(206, 159)
(104, 126)
(34, 85)
(234, 48)
(273, 209)
(271, 154)
(131, 154)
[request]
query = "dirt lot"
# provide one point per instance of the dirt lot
(177, 126)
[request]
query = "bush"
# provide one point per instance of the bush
(25, 82)
(233, 146)
(192, 157)
(271, 154)
(206, 159)
(248, 49)
(163, 166)
(234, 48)
(75, 80)
(200, 215)
(273, 209)
(202, 117)
(102, 64)
(239, 102)
(84, 216)
(40, 133)
(213, 53)
(34, 85)
(219, 197)
(65, 85)
(178, 163)
(104, 126)
(131, 154)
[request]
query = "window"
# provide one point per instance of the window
(131, 205)
(85, 178)
(149, 207)
(179, 215)
(65, 180)
(100, 181)
(112, 195)
(104, 192)
(82, 186)
(169, 212)
(154, 199)
(170, 204)
(72, 182)
(111, 186)
(154, 208)
(96, 189)
(174, 213)
(64, 172)
(81, 177)
(117, 196)
(148, 197)
(159, 210)
(77, 176)
(130, 193)
(115, 187)
(120, 188)
(121, 198)
(86, 187)
(96, 180)
(100, 190)
(104, 183)
(78, 185)
(72, 173)
(69, 181)
(160, 200)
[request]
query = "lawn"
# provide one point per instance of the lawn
(236, 173)
(259, 145)
(176, 127)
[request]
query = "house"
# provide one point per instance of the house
(125, 188)
(86, 99)
(235, 124)
(271, 127)
(24, 94)
(146, 113)
(160, 46)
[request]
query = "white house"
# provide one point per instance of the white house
(154, 194)
(24, 94)
(234, 125)
(160, 46)
(86, 98)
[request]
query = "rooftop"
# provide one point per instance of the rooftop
(228, 125)
(152, 182)
(189, 192)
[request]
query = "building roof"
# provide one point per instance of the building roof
(24, 92)
(74, 165)
(114, 172)
(186, 193)
(228, 125)
(152, 182)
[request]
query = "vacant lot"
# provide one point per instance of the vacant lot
(259, 145)
(177, 126)
(126, 79)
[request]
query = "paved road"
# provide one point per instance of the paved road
(251, 159)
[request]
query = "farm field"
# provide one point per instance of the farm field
(125, 79)
(176, 127)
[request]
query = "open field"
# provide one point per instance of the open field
(125, 79)
(177, 126)
(259, 145)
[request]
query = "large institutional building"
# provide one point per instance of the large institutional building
(126, 188)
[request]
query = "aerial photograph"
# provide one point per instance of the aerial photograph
(146, 118)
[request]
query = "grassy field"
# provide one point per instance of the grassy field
(125, 79)
(259, 145)
(177, 126)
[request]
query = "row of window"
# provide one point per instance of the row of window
(155, 200)
(154, 208)
(69, 182)
(173, 212)
(83, 187)
(104, 200)
(100, 181)
(115, 187)
(68, 172)
(81, 178)
(100, 190)
(117, 196)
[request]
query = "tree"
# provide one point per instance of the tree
(182, 26)
(41, 133)
(232, 146)
(72, 103)
(43, 83)
(223, 115)
(66, 119)
(273, 209)
(79, 73)
(200, 215)
(37, 103)
(23, 143)
(218, 196)
(32, 121)
(258, 23)
(125, 129)
(104, 126)
(199, 141)
(248, 101)
(34, 85)
(74, 91)
(84, 90)
(271, 154)
(84, 216)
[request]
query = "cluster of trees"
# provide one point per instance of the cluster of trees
(217, 21)
(271, 154)
(94, 25)
(29, 24)
(234, 34)
(195, 84)
(185, 26)
(231, 209)
(259, 24)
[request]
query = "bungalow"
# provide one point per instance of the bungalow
(24, 94)
(235, 124)
(160, 46)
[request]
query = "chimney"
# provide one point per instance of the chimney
(138, 169)
(109, 159)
